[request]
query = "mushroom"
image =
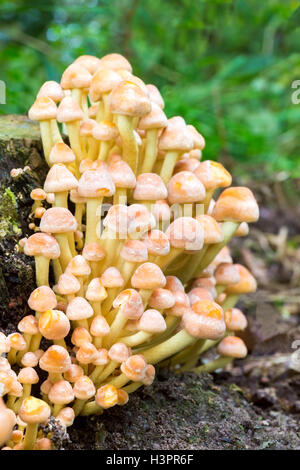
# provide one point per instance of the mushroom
(33, 411)
(44, 110)
(43, 247)
(7, 422)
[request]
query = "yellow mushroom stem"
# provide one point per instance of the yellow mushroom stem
(93, 218)
(30, 436)
(211, 366)
(168, 165)
(150, 153)
(129, 143)
(45, 129)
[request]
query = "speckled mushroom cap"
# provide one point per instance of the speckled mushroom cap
(161, 211)
(116, 219)
(149, 186)
(105, 130)
(175, 136)
(156, 119)
(42, 244)
(95, 184)
(212, 230)
(90, 62)
(236, 204)
(51, 89)
(130, 303)
(28, 375)
(112, 277)
(156, 242)
(58, 220)
(185, 187)
(213, 175)
(67, 284)
(84, 388)
(119, 352)
(148, 276)
(59, 179)
(122, 174)
(235, 320)
(61, 393)
(199, 142)
(134, 251)
(75, 76)
(55, 359)
(103, 81)
(61, 153)
(54, 324)
(129, 99)
(28, 325)
(155, 96)
(86, 127)
(246, 284)
(99, 326)
(79, 309)
(34, 410)
(152, 321)
(114, 61)
(232, 346)
(95, 291)
(186, 233)
(204, 320)
(69, 110)
(42, 299)
(161, 299)
(78, 266)
(226, 274)
(140, 220)
(43, 109)
(93, 252)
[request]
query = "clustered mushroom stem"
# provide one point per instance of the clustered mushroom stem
(93, 217)
(168, 165)
(211, 366)
(150, 151)
(55, 132)
(30, 436)
(130, 147)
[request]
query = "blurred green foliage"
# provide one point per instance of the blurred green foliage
(226, 66)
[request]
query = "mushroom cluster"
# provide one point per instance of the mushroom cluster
(130, 248)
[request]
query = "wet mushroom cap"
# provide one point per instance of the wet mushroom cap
(42, 299)
(58, 220)
(34, 410)
(232, 346)
(236, 204)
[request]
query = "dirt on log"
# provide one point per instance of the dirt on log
(177, 411)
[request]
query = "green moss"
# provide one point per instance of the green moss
(9, 221)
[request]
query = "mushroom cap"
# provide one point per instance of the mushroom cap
(79, 309)
(246, 284)
(112, 277)
(66, 416)
(102, 357)
(226, 274)
(236, 204)
(119, 352)
(4, 348)
(107, 396)
(213, 175)
(114, 61)
(135, 367)
(199, 142)
(186, 164)
(129, 77)
(93, 252)
(28, 375)
(116, 219)
(58, 220)
(61, 153)
(55, 359)
(149, 375)
(222, 257)
(29, 325)
(157, 242)
(84, 389)
(129, 99)
(59, 179)
(161, 211)
(67, 284)
(69, 110)
(78, 266)
(51, 90)
(134, 251)
(122, 397)
(90, 62)
(80, 336)
(105, 130)
(152, 321)
(54, 324)
(185, 187)
(43, 109)
(156, 119)
(235, 320)
(34, 410)
(103, 81)
(204, 320)
(122, 175)
(29, 360)
(232, 346)
(96, 292)
(42, 244)
(212, 230)
(199, 293)
(181, 304)
(87, 353)
(242, 230)
(61, 393)
(149, 186)
(86, 127)
(140, 220)
(42, 299)
(130, 304)
(186, 233)
(96, 184)
(175, 136)
(38, 194)
(75, 76)
(148, 276)
(73, 373)
(99, 326)
(155, 96)
(174, 284)
(161, 299)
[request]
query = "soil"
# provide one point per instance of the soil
(254, 404)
